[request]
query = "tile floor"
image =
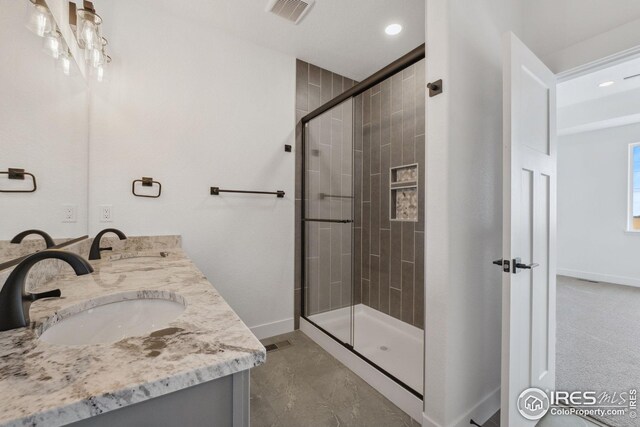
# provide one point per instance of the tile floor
(304, 386)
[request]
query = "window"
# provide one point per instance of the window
(634, 187)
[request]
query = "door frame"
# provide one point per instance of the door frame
(598, 64)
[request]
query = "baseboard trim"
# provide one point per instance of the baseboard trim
(428, 422)
(480, 413)
(598, 277)
(269, 330)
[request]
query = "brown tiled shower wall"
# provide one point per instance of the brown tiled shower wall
(388, 254)
(351, 149)
(314, 87)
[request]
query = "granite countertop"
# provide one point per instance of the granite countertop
(46, 384)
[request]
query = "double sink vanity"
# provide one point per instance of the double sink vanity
(144, 339)
(133, 336)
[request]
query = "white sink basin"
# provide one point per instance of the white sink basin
(112, 321)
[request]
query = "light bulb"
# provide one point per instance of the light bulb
(65, 62)
(89, 36)
(53, 44)
(99, 72)
(88, 29)
(66, 65)
(96, 57)
(40, 21)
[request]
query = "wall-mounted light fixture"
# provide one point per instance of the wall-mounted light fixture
(40, 21)
(87, 26)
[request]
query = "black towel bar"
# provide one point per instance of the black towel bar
(215, 191)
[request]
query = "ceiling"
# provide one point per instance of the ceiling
(585, 88)
(346, 37)
(553, 25)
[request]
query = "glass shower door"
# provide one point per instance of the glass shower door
(328, 221)
(388, 317)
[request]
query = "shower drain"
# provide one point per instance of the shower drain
(384, 348)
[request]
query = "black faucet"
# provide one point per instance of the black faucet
(47, 239)
(94, 253)
(15, 301)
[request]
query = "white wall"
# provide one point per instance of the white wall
(592, 206)
(464, 209)
(43, 129)
(194, 107)
(464, 178)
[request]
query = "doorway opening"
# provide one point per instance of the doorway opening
(598, 282)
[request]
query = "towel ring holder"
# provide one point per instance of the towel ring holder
(15, 173)
(146, 182)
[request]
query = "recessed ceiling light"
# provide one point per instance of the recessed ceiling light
(393, 29)
(607, 83)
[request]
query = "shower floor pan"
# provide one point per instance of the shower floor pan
(393, 345)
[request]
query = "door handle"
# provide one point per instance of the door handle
(518, 264)
(504, 263)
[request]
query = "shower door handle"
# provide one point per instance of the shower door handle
(339, 221)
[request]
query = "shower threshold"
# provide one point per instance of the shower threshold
(386, 351)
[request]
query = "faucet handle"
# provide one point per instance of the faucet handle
(49, 294)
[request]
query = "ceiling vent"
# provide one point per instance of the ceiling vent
(291, 10)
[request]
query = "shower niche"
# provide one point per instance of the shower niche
(403, 193)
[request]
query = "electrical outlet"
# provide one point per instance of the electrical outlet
(69, 213)
(106, 213)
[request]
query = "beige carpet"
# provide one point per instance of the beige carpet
(598, 340)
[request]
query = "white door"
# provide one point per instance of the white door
(529, 229)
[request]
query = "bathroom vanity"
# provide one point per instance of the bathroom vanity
(192, 369)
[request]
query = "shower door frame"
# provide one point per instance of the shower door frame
(398, 65)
